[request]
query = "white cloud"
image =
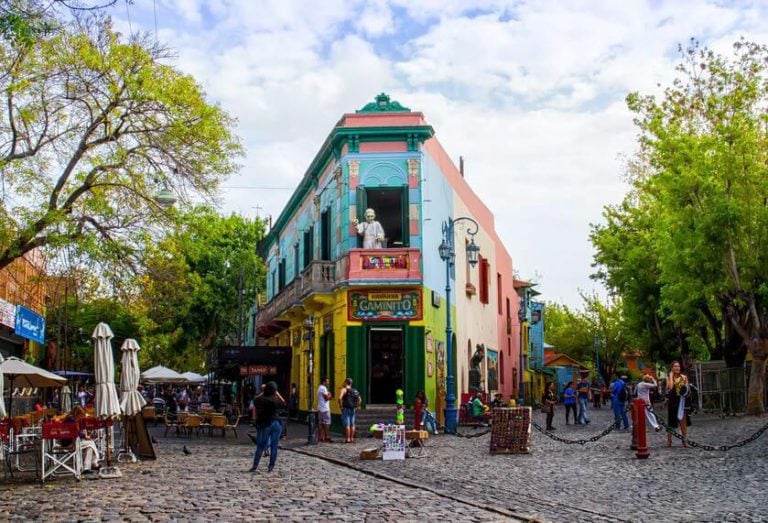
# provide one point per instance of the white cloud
(531, 93)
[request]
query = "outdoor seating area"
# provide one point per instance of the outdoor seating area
(207, 422)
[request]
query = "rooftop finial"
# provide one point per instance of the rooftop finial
(383, 104)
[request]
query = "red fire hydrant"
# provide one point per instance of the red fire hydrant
(638, 428)
(417, 407)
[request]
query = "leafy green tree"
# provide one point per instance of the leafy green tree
(569, 331)
(92, 127)
(702, 190)
(200, 282)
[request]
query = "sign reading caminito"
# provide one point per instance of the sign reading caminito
(385, 305)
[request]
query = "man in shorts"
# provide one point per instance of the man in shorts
(324, 411)
(349, 400)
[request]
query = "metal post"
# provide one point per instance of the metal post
(447, 252)
(642, 446)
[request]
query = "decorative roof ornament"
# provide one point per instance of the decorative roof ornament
(383, 104)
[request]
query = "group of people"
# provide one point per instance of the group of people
(576, 399)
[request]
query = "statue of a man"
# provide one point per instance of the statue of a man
(371, 231)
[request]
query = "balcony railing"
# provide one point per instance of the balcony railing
(318, 277)
(380, 264)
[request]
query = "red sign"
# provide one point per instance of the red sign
(258, 370)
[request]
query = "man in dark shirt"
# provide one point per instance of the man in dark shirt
(268, 424)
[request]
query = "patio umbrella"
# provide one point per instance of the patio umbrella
(162, 374)
(131, 399)
(194, 377)
(19, 373)
(66, 399)
(107, 404)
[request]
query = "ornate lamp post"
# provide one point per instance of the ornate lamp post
(309, 324)
(521, 378)
(447, 252)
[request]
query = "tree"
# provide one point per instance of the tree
(92, 127)
(704, 185)
(200, 281)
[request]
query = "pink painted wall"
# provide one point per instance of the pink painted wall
(381, 120)
(383, 147)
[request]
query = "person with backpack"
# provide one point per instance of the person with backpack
(349, 400)
(619, 398)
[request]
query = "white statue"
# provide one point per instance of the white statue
(371, 231)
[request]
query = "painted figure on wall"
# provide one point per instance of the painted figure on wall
(371, 231)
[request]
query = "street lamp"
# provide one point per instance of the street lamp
(521, 379)
(309, 324)
(447, 250)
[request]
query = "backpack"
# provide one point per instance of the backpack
(623, 393)
(351, 398)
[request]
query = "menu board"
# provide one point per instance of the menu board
(511, 430)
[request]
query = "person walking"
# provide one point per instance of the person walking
(550, 400)
(619, 398)
(324, 411)
(269, 425)
(569, 400)
(349, 400)
(644, 389)
(677, 388)
(583, 397)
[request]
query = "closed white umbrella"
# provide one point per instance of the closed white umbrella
(2, 399)
(66, 399)
(131, 400)
(107, 403)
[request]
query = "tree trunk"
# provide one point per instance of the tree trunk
(756, 392)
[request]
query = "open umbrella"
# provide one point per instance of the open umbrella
(162, 374)
(19, 373)
(131, 399)
(194, 377)
(107, 404)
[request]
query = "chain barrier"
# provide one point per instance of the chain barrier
(474, 435)
(704, 446)
(582, 441)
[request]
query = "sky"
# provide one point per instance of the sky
(530, 93)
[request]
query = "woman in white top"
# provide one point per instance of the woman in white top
(644, 389)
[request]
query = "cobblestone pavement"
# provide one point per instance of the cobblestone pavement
(601, 481)
(458, 481)
(212, 484)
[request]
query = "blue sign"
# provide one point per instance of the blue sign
(30, 325)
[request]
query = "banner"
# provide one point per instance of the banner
(7, 313)
(385, 305)
(30, 325)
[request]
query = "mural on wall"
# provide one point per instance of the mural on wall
(493, 370)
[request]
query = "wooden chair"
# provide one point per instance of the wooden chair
(149, 414)
(219, 423)
(233, 426)
(190, 424)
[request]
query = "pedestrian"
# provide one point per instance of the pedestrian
(479, 409)
(619, 397)
(349, 400)
(583, 396)
(427, 419)
(550, 400)
(677, 388)
(569, 400)
(596, 394)
(324, 411)
(269, 425)
(644, 390)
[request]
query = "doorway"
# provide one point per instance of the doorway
(386, 348)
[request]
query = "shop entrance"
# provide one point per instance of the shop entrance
(386, 350)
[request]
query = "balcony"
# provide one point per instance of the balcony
(373, 266)
(317, 278)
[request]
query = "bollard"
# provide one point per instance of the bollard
(633, 415)
(638, 429)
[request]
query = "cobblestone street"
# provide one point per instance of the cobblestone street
(458, 481)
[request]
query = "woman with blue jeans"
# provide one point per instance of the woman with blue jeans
(269, 425)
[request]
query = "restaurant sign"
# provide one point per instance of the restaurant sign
(29, 324)
(7, 313)
(258, 370)
(385, 305)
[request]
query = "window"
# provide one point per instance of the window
(501, 367)
(281, 275)
(391, 207)
(498, 293)
(325, 235)
(296, 261)
(483, 273)
(309, 245)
